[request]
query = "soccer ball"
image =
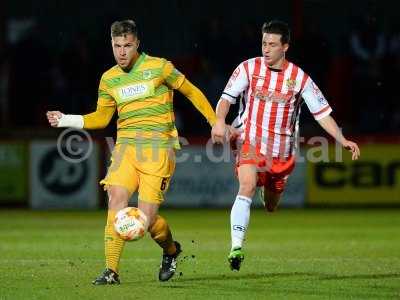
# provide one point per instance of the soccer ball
(130, 223)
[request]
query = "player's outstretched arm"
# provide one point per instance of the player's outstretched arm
(330, 126)
(58, 119)
(100, 118)
(220, 130)
(198, 99)
(96, 120)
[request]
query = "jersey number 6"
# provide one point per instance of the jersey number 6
(163, 184)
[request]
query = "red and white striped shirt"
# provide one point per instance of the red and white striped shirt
(272, 100)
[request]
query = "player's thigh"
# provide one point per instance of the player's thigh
(122, 171)
(155, 161)
(152, 188)
(246, 163)
(155, 176)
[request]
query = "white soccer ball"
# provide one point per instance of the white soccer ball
(130, 223)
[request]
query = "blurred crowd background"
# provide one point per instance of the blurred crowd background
(53, 54)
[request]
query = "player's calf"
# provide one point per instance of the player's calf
(274, 194)
(269, 199)
(272, 204)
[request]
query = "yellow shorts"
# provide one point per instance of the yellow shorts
(146, 170)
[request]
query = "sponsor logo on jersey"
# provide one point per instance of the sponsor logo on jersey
(135, 91)
(271, 96)
(256, 77)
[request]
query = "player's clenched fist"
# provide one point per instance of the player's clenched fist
(218, 132)
(54, 117)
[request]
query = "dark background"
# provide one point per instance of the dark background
(52, 54)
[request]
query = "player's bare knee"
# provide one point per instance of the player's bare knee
(150, 210)
(247, 188)
(117, 198)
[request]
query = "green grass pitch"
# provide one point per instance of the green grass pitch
(292, 254)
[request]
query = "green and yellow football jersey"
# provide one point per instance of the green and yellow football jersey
(143, 97)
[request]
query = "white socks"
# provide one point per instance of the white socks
(240, 216)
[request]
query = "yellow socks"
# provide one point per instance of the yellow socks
(113, 244)
(161, 233)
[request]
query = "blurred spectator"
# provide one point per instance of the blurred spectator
(312, 51)
(217, 53)
(30, 82)
(3, 76)
(368, 48)
(36, 69)
(392, 73)
(77, 74)
(247, 43)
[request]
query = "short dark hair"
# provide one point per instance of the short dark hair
(278, 27)
(122, 28)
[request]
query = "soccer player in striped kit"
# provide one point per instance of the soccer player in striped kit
(274, 90)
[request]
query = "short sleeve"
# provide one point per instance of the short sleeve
(172, 77)
(104, 98)
(315, 100)
(238, 82)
